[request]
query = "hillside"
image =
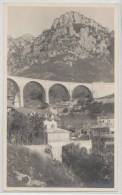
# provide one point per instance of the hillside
(106, 99)
(75, 48)
(27, 168)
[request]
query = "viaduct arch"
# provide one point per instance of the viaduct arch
(32, 92)
(13, 93)
(58, 92)
(81, 90)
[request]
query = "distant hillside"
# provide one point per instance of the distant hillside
(106, 99)
(75, 48)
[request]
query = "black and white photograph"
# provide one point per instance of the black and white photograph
(60, 111)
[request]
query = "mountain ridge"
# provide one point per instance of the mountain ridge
(75, 48)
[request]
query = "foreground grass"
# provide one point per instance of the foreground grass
(26, 168)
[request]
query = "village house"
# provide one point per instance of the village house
(106, 121)
(102, 138)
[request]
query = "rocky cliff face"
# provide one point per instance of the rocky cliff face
(74, 46)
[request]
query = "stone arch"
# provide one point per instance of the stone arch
(13, 94)
(82, 92)
(33, 94)
(57, 93)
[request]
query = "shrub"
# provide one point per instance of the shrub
(90, 168)
(99, 107)
(65, 110)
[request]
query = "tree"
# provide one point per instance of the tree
(25, 129)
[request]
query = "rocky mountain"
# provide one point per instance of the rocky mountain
(75, 48)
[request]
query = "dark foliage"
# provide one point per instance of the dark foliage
(92, 169)
(25, 129)
(99, 107)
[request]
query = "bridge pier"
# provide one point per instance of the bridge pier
(47, 96)
(70, 92)
(21, 98)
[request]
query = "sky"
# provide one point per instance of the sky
(33, 20)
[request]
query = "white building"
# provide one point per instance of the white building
(56, 137)
(106, 121)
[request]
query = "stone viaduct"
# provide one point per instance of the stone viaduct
(97, 89)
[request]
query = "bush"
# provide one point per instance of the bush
(65, 110)
(99, 107)
(90, 168)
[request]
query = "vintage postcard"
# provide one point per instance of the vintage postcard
(61, 116)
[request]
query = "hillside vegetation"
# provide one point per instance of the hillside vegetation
(27, 168)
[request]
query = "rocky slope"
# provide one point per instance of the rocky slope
(75, 48)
